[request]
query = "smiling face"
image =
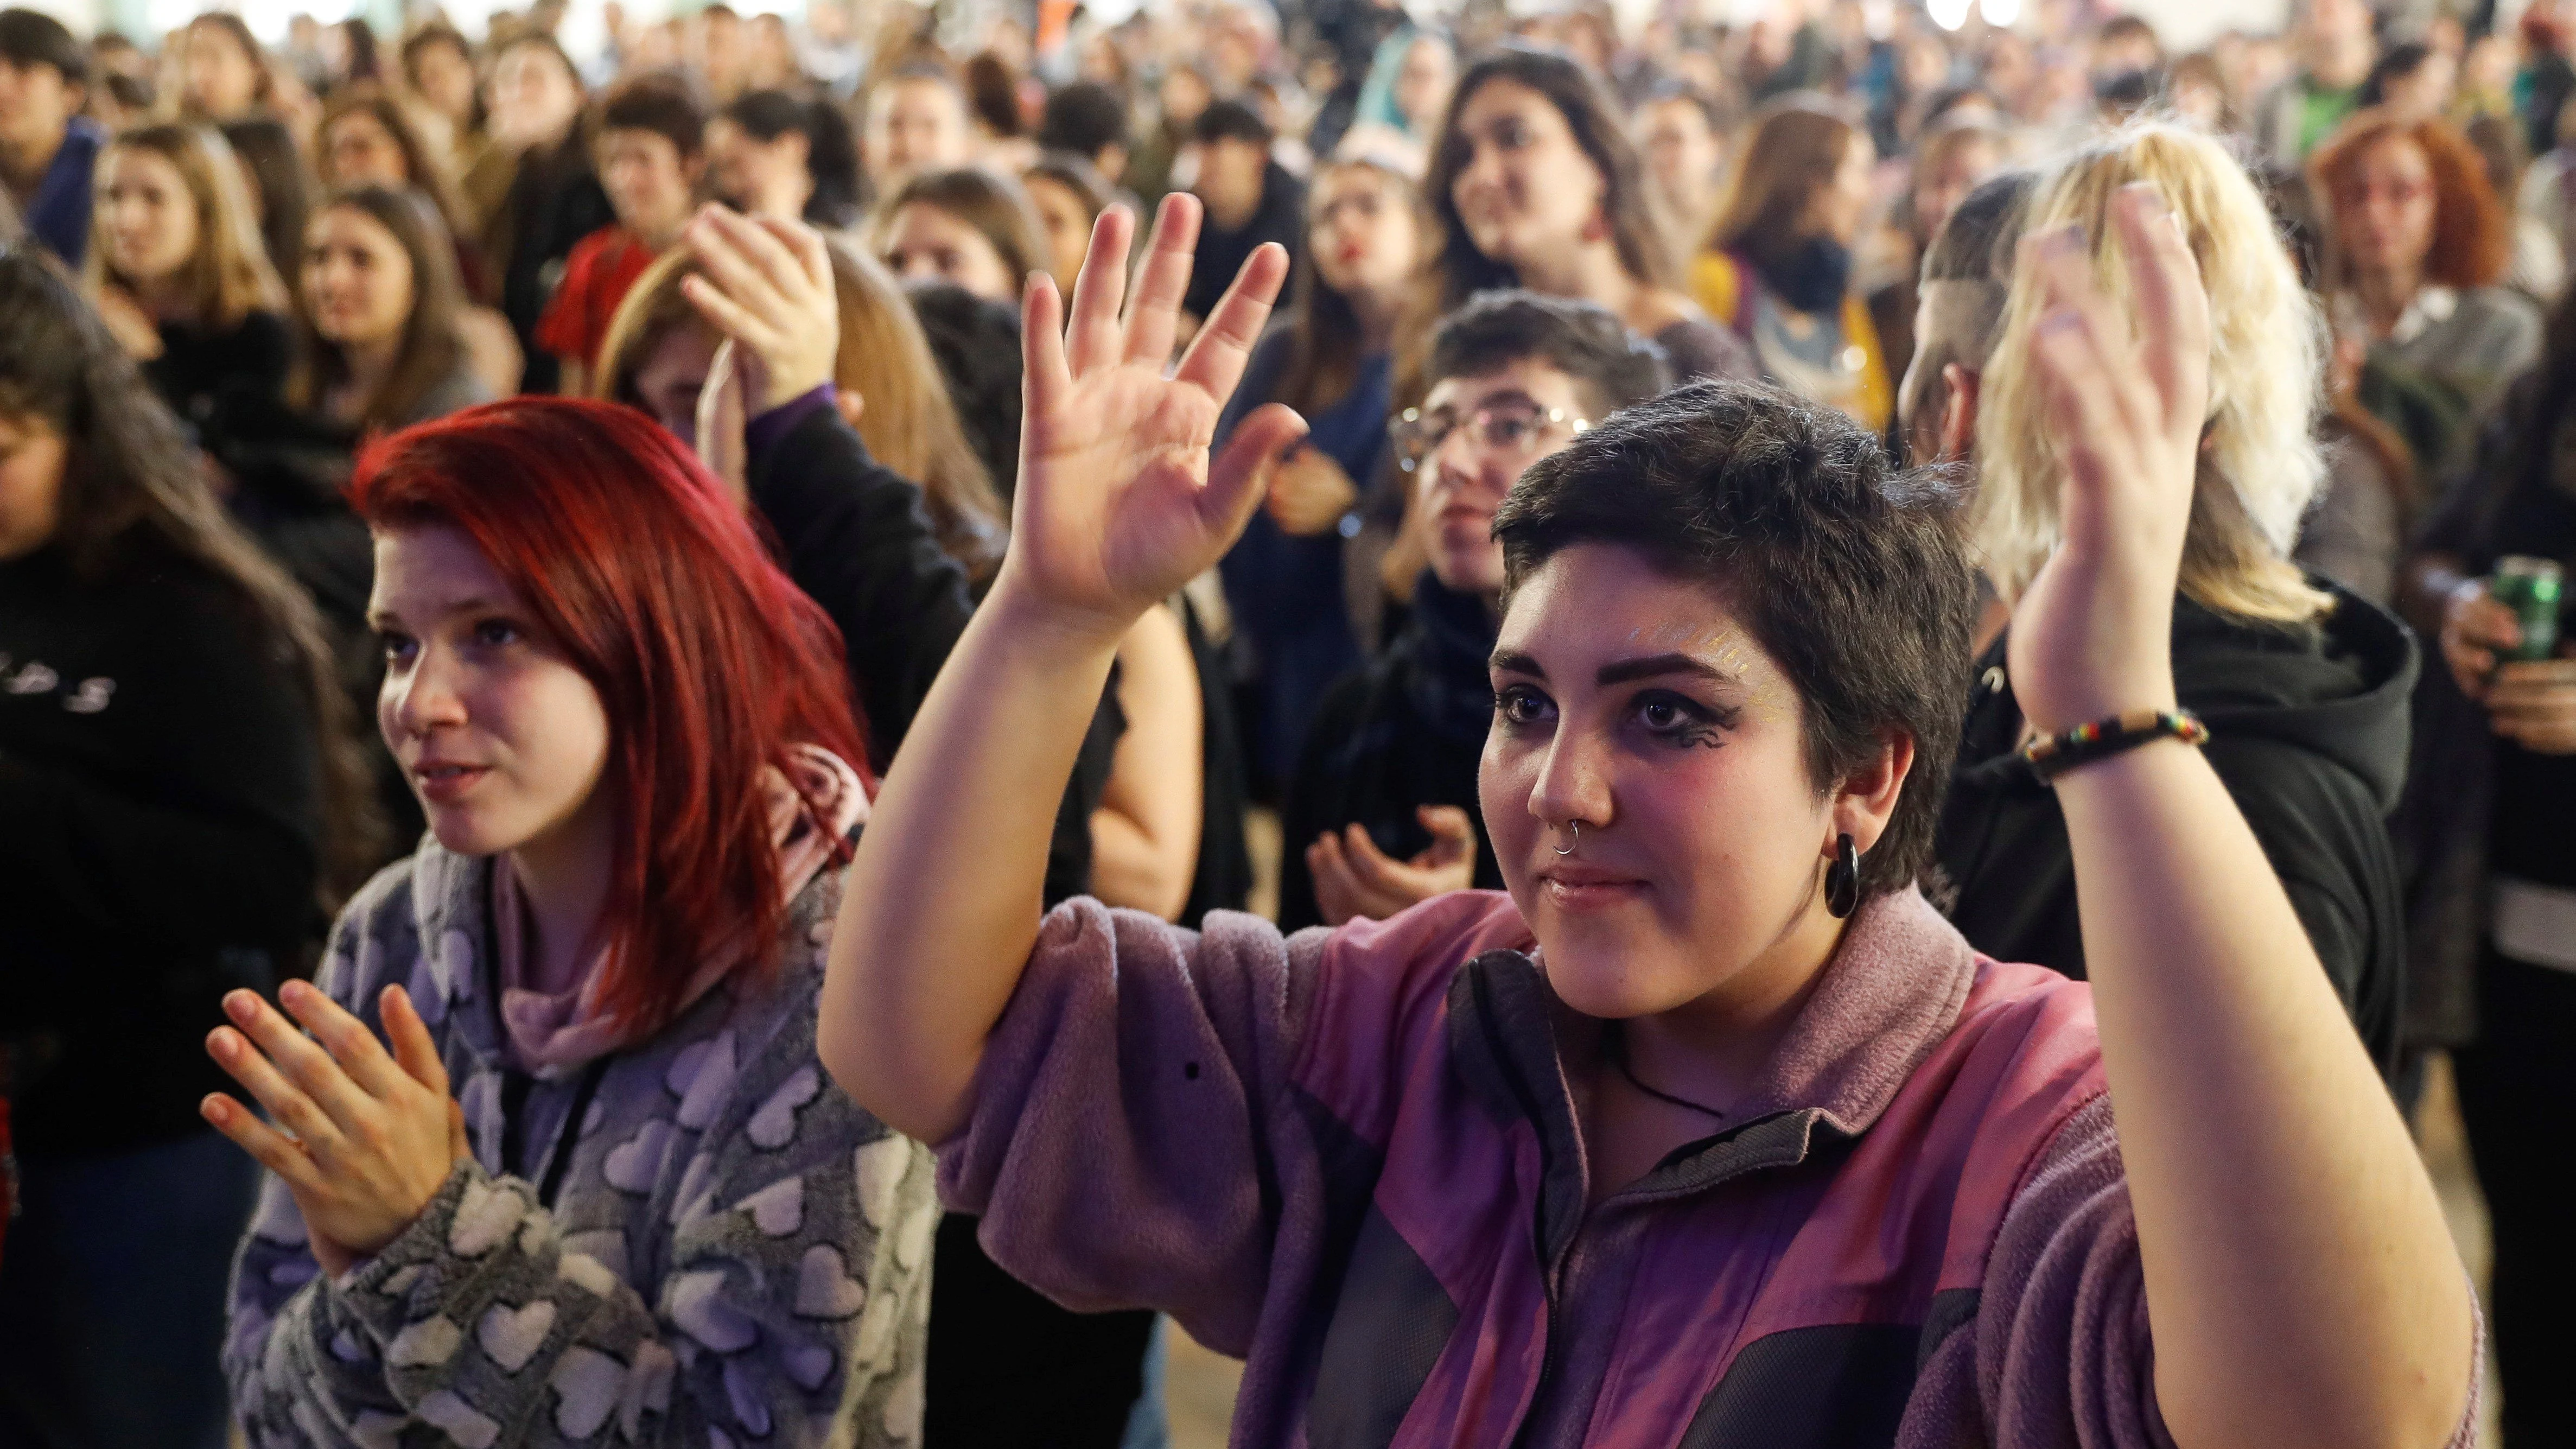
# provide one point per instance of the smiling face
(444, 76)
(357, 150)
(1524, 189)
(1638, 707)
(1464, 478)
(147, 214)
(924, 243)
(219, 78)
(503, 740)
(357, 278)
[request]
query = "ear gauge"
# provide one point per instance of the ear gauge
(1842, 880)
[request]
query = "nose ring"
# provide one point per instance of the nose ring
(1573, 832)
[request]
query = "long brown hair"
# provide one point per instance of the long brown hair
(909, 423)
(1457, 270)
(1799, 142)
(432, 349)
(133, 496)
(1324, 334)
(994, 204)
(229, 277)
(2472, 230)
(421, 167)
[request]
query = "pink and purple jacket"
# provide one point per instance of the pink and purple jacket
(1351, 1158)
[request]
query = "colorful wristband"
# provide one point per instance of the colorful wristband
(2053, 755)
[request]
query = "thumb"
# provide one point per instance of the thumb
(414, 1049)
(1240, 476)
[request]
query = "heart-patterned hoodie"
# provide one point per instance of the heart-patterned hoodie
(732, 1251)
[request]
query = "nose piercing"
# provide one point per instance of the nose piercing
(1573, 832)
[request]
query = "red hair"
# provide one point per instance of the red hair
(2471, 240)
(709, 662)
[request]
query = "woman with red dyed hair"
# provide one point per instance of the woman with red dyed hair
(643, 1202)
(2420, 241)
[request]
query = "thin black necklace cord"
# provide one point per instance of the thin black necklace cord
(1618, 1045)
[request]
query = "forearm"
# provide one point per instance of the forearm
(942, 904)
(2301, 1285)
(1131, 867)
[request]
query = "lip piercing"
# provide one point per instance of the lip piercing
(1573, 832)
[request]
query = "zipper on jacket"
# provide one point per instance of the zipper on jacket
(1551, 1264)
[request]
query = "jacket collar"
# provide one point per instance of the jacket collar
(1890, 993)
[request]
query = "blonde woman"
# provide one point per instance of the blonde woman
(885, 382)
(2303, 685)
(181, 276)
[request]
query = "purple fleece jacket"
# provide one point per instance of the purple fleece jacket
(1351, 1158)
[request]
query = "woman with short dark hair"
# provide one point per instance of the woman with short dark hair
(1712, 1124)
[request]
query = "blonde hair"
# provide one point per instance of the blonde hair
(229, 277)
(909, 424)
(2260, 466)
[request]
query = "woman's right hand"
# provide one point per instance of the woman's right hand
(2474, 627)
(768, 286)
(1118, 504)
(1309, 493)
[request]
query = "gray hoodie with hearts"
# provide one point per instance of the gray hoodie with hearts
(733, 1253)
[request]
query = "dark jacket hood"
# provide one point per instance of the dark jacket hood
(2339, 688)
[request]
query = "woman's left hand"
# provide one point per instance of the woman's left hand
(373, 1134)
(2092, 636)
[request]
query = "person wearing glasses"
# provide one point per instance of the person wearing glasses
(1380, 811)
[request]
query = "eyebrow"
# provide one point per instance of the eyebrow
(1512, 661)
(378, 618)
(1654, 666)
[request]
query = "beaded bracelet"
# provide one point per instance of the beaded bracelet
(2053, 755)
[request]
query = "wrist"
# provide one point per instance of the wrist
(1050, 628)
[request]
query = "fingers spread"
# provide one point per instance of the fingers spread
(1216, 356)
(1155, 318)
(1099, 292)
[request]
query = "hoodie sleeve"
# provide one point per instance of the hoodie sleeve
(792, 1294)
(2060, 1349)
(854, 536)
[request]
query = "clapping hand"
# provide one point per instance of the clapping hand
(1309, 492)
(373, 1134)
(1355, 879)
(1118, 504)
(2092, 635)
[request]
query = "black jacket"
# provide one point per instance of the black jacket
(2307, 728)
(160, 838)
(1280, 218)
(1405, 731)
(855, 536)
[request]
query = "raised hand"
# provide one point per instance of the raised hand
(767, 284)
(374, 1133)
(1117, 503)
(2092, 636)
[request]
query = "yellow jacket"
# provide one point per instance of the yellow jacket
(1718, 284)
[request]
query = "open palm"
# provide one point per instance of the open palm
(1118, 503)
(2092, 635)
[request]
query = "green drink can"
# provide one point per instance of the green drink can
(2532, 588)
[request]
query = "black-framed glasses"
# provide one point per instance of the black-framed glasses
(1508, 427)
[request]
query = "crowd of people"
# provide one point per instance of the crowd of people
(647, 687)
